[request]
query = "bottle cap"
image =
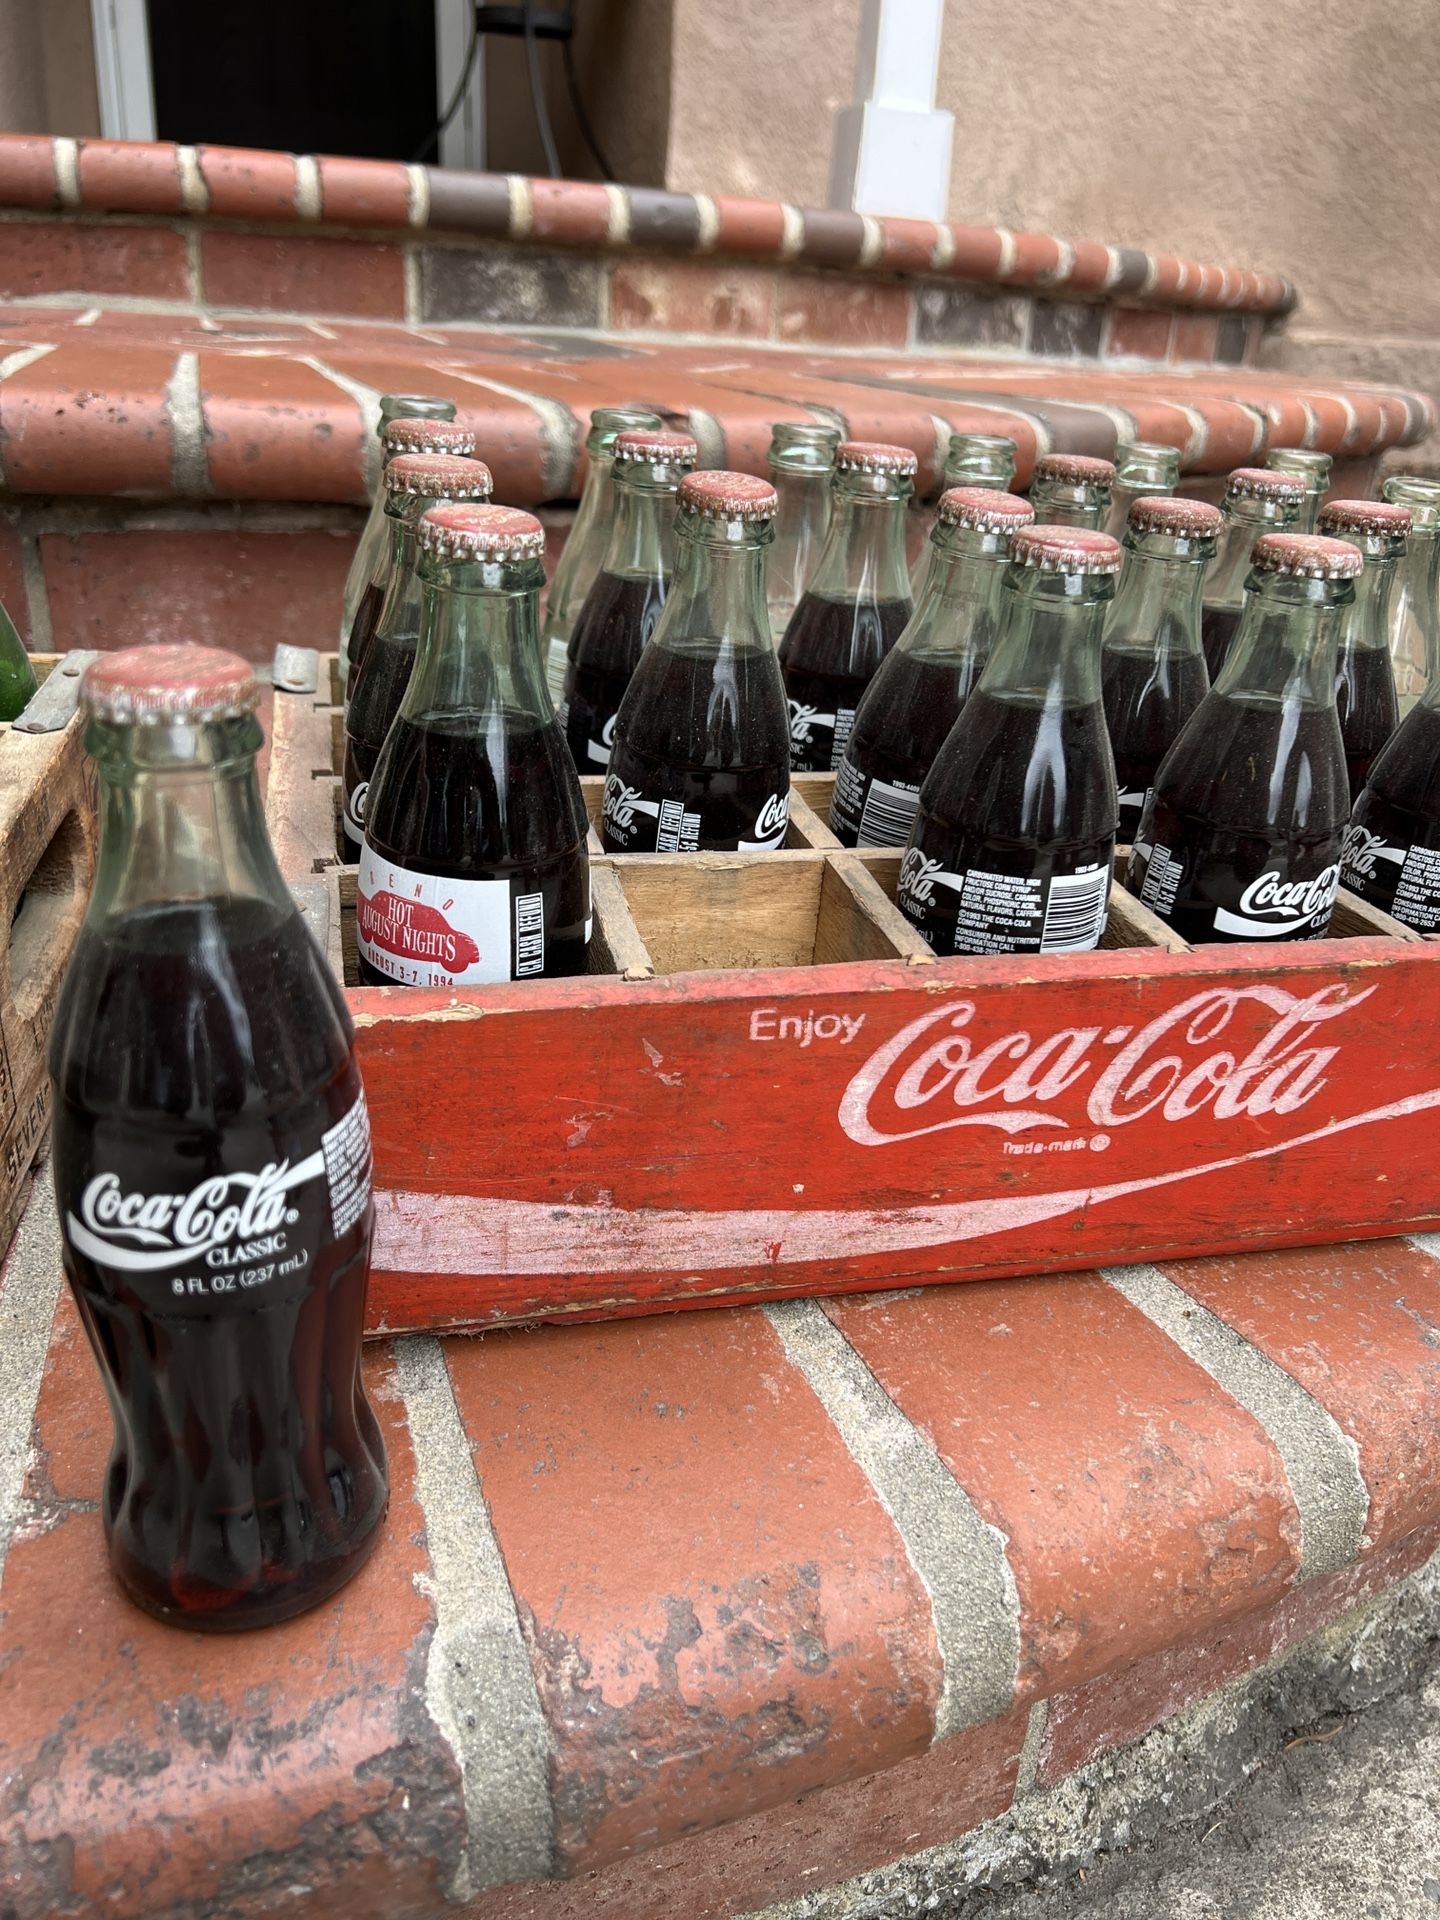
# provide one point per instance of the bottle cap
(874, 456)
(1365, 517)
(1307, 556)
(1065, 550)
(1168, 513)
(427, 436)
(1074, 470)
(456, 530)
(983, 508)
(655, 447)
(1264, 483)
(437, 476)
(154, 686)
(1299, 460)
(728, 496)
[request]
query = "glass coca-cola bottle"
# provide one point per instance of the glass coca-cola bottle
(1144, 470)
(474, 867)
(1415, 608)
(431, 428)
(1364, 682)
(1240, 838)
(1072, 490)
(1312, 470)
(856, 605)
(1152, 667)
(971, 460)
(618, 616)
(17, 672)
(212, 1169)
(916, 696)
(380, 675)
(701, 760)
(583, 552)
(802, 464)
(1013, 841)
(1256, 501)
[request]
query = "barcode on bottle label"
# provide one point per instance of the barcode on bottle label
(889, 814)
(1075, 911)
(1162, 881)
(678, 831)
(529, 934)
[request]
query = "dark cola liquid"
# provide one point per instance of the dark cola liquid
(1015, 833)
(378, 688)
(361, 628)
(1241, 840)
(1148, 698)
(486, 805)
(1368, 710)
(904, 718)
(1392, 848)
(702, 759)
(202, 1062)
(1217, 633)
(829, 656)
(613, 630)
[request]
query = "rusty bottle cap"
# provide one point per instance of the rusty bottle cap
(1367, 520)
(456, 530)
(719, 495)
(157, 686)
(984, 508)
(655, 447)
(875, 456)
(1307, 556)
(437, 476)
(1073, 470)
(1065, 550)
(1169, 513)
(427, 436)
(1263, 483)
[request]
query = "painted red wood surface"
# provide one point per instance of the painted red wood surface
(604, 1146)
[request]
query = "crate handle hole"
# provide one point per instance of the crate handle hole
(51, 896)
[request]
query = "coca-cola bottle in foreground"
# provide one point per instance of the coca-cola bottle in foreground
(474, 867)
(583, 552)
(1312, 470)
(924, 681)
(856, 605)
(802, 464)
(1256, 501)
(1071, 490)
(626, 596)
(1240, 838)
(1364, 681)
(1144, 470)
(1015, 833)
(212, 1170)
(1415, 608)
(701, 760)
(1153, 671)
(971, 460)
(429, 427)
(413, 482)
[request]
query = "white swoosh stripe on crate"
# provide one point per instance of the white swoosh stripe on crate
(470, 1233)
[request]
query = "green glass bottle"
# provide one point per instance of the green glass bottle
(972, 460)
(1072, 490)
(1364, 681)
(17, 675)
(1312, 470)
(1144, 470)
(1415, 608)
(801, 462)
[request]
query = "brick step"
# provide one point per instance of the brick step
(826, 1582)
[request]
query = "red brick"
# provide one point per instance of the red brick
(1089, 269)
(1171, 274)
(1035, 260)
(976, 255)
(130, 176)
(1143, 333)
(829, 309)
(1117, 1708)
(907, 246)
(247, 184)
(150, 1769)
(1195, 337)
(27, 170)
(277, 430)
(1357, 1326)
(86, 419)
(1140, 1503)
(748, 226)
(248, 592)
(39, 256)
(364, 193)
(691, 296)
(576, 213)
(301, 273)
(720, 1613)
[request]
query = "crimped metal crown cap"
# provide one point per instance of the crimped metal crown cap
(655, 447)
(1307, 556)
(874, 456)
(152, 686)
(1065, 550)
(456, 530)
(985, 509)
(720, 495)
(1373, 517)
(1264, 483)
(1073, 470)
(437, 476)
(1168, 513)
(427, 436)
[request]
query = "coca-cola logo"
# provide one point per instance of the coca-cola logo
(1363, 848)
(412, 930)
(1277, 899)
(1172, 1068)
(803, 722)
(773, 817)
(147, 1232)
(919, 877)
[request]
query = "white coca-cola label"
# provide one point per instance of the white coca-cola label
(1363, 851)
(770, 824)
(1270, 908)
(423, 930)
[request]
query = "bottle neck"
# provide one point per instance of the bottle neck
(1157, 604)
(180, 818)
(1047, 651)
(642, 536)
(402, 589)
(717, 596)
(1245, 521)
(1285, 645)
(1421, 581)
(479, 652)
(959, 605)
(1365, 624)
(864, 553)
(1059, 503)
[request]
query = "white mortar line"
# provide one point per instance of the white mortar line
(189, 468)
(67, 170)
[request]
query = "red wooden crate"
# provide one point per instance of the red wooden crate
(768, 1085)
